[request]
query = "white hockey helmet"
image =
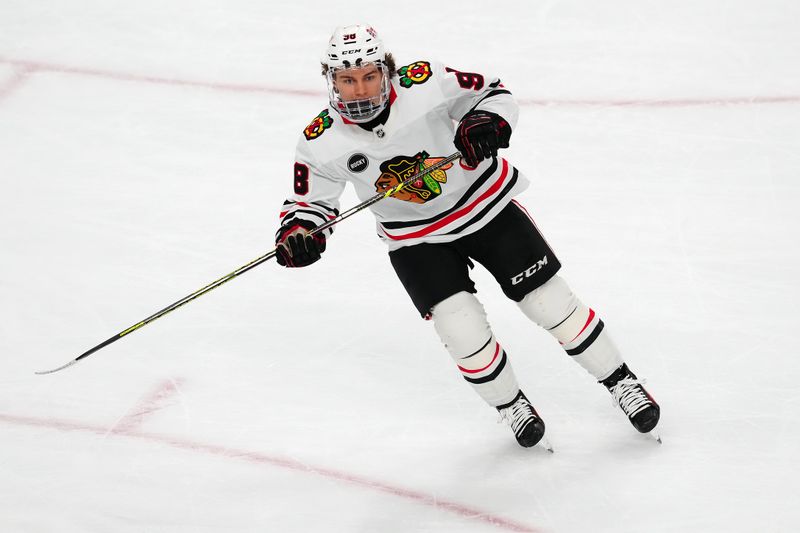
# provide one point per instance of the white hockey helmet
(356, 47)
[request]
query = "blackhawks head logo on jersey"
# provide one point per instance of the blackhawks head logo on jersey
(399, 168)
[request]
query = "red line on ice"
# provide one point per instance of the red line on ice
(255, 88)
(149, 404)
(258, 458)
(125, 76)
(663, 102)
(18, 78)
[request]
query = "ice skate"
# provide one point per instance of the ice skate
(525, 422)
(641, 409)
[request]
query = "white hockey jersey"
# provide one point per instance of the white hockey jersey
(427, 99)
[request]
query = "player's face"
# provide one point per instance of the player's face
(359, 83)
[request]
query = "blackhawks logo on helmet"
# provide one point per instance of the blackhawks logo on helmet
(414, 74)
(320, 123)
(400, 168)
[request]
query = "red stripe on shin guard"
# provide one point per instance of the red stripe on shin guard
(588, 321)
(469, 371)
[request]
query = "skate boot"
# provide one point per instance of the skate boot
(633, 399)
(528, 427)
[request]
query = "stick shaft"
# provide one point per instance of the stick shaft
(255, 262)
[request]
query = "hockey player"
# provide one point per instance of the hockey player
(384, 123)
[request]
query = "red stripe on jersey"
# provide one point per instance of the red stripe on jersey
(456, 215)
(301, 204)
(329, 217)
(468, 371)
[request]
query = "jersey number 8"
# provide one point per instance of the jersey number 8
(300, 178)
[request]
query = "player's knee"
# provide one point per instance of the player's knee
(555, 308)
(549, 304)
(460, 321)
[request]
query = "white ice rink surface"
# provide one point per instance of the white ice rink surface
(145, 150)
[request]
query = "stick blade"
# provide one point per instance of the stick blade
(62, 367)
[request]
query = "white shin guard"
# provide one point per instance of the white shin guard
(577, 328)
(460, 321)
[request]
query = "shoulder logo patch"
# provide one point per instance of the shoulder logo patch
(415, 74)
(321, 122)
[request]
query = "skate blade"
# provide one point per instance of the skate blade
(655, 436)
(545, 443)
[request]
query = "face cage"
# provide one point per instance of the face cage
(360, 111)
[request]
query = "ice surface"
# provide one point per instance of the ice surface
(145, 149)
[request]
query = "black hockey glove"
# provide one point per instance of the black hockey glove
(480, 134)
(296, 248)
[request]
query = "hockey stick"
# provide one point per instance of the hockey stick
(254, 263)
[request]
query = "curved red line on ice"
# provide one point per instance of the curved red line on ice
(461, 510)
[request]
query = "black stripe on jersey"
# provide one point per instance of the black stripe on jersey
(495, 83)
(493, 375)
(492, 93)
(489, 206)
(479, 349)
(289, 203)
(292, 214)
(461, 201)
(589, 340)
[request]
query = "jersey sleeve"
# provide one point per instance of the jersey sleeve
(465, 91)
(316, 193)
